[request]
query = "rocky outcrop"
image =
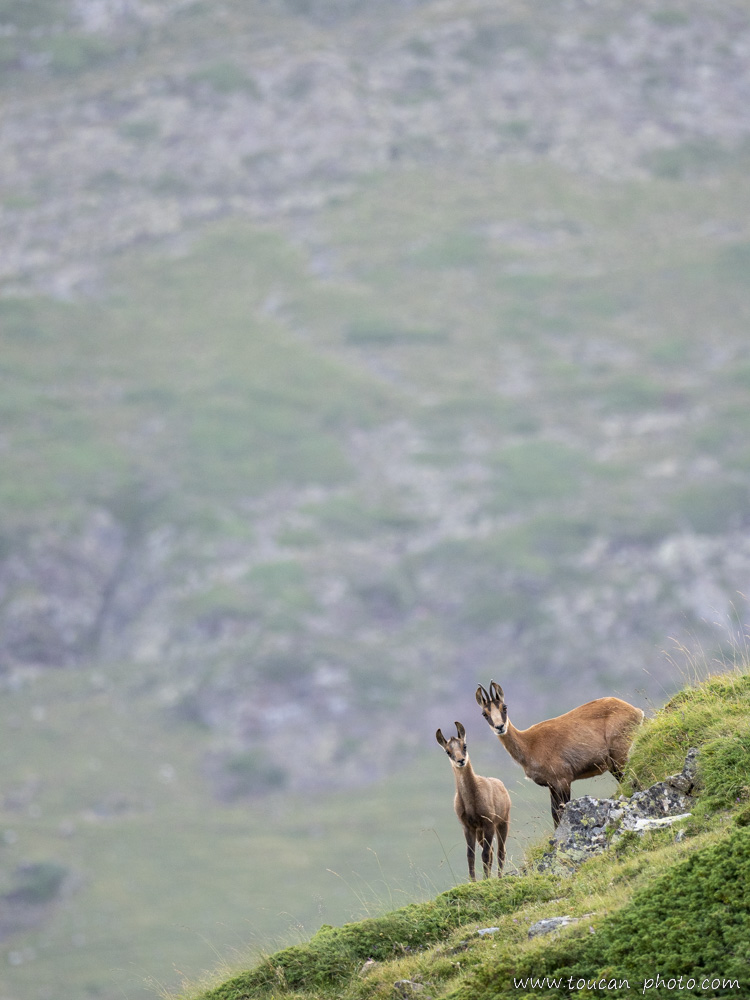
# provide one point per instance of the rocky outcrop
(589, 825)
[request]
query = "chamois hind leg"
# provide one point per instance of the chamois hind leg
(560, 797)
(487, 835)
(470, 841)
(618, 758)
(502, 836)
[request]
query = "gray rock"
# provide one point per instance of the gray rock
(550, 924)
(687, 780)
(589, 824)
(645, 823)
(405, 988)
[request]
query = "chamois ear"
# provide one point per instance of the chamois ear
(440, 738)
(496, 692)
(483, 699)
(460, 730)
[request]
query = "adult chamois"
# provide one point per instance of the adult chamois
(482, 805)
(584, 742)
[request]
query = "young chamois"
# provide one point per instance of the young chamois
(587, 741)
(482, 805)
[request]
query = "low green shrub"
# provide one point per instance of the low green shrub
(693, 922)
(252, 772)
(73, 54)
(537, 470)
(725, 771)
(713, 508)
(226, 77)
(384, 334)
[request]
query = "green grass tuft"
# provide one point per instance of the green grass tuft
(711, 716)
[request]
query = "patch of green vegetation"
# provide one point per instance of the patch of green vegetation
(10, 57)
(671, 351)
(391, 596)
(459, 249)
(733, 263)
(349, 517)
(498, 576)
(420, 47)
(71, 54)
(740, 374)
(283, 667)
(670, 17)
(226, 77)
(552, 537)
(140, 130)
(364, 332)
(712, 508)
(688, 159)
(28, 14)
(517, 128)
(107, 181)
(218, 603)
(488, 41)
(19, 320)
(283, 582)
(485, 607)
(632, 393)
(536, 471)
(450, 421)
(171, 185)
(198, 393)
(252, 772)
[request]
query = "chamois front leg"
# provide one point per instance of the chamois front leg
(560, 796)
(470, 851)
(487, 836)
(502, 836)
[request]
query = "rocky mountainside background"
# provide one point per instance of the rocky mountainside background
(132, 121)
(127, 123)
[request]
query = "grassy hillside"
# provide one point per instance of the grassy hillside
(670, 903)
